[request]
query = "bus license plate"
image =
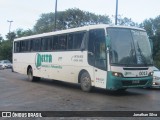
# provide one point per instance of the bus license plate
(135, 82)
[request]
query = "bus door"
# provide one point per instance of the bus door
(97, 56)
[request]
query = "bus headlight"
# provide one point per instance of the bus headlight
(117, 74)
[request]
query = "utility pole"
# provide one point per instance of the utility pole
(10, 22)
(55, 17)
(116, 12)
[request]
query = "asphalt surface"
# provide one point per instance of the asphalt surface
(19, 94)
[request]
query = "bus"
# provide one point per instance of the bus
(104, 56)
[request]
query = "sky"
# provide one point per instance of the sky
(25, 13)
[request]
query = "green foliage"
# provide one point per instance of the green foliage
(6, 50)
(126, 21)
(1, 38)
(152, 27)
(22, 33)
(148, 26)
(11, 36)
(44, 23)
(70, 18)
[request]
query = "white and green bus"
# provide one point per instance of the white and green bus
(109, 57)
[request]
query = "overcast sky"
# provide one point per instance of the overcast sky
(24, 13)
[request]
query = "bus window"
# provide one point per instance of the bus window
(70, 42)
(31, 45)
(78, 37)
(27, 45)
(17, 47)
(91, 48)
(24, 46)
(36, 44)
(62, 42)
(46, 43)
(55, 45)
(50, 43)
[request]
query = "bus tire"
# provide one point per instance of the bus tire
(121, 90)
(12, 69)
(31, 77)
(85, 81)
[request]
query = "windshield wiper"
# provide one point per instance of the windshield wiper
(130, 60)
(141, 54)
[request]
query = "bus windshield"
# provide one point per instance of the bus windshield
(129, 47)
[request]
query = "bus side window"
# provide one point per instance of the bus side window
(55, 43)
(31, 45)
(46, 43)
(78, 37)
(70, 42)
(91, 48)
(17, 47)
(22, 46)
(27, 45)
(62, 42)
(36, 44)
(49, 43)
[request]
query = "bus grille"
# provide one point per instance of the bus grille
(133, 82)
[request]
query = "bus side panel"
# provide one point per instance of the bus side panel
(64, 66)
(100, 78)
(21, 62)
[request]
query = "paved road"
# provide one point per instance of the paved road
(18, 94)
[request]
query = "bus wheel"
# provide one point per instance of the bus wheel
(31, 77)
(30, 74)
(121, 90)
(85, 82)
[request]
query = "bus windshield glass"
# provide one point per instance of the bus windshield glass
(129, 47)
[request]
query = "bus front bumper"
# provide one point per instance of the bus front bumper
(115, 83)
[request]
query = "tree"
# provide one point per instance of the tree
(22, 33)
(126, 21)
(45, 23)
(70, 18)
(11, 36)
(6, 50)
(152, 26)
(148, 26)
(1, 38)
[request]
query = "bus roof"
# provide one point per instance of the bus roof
(76, 30)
